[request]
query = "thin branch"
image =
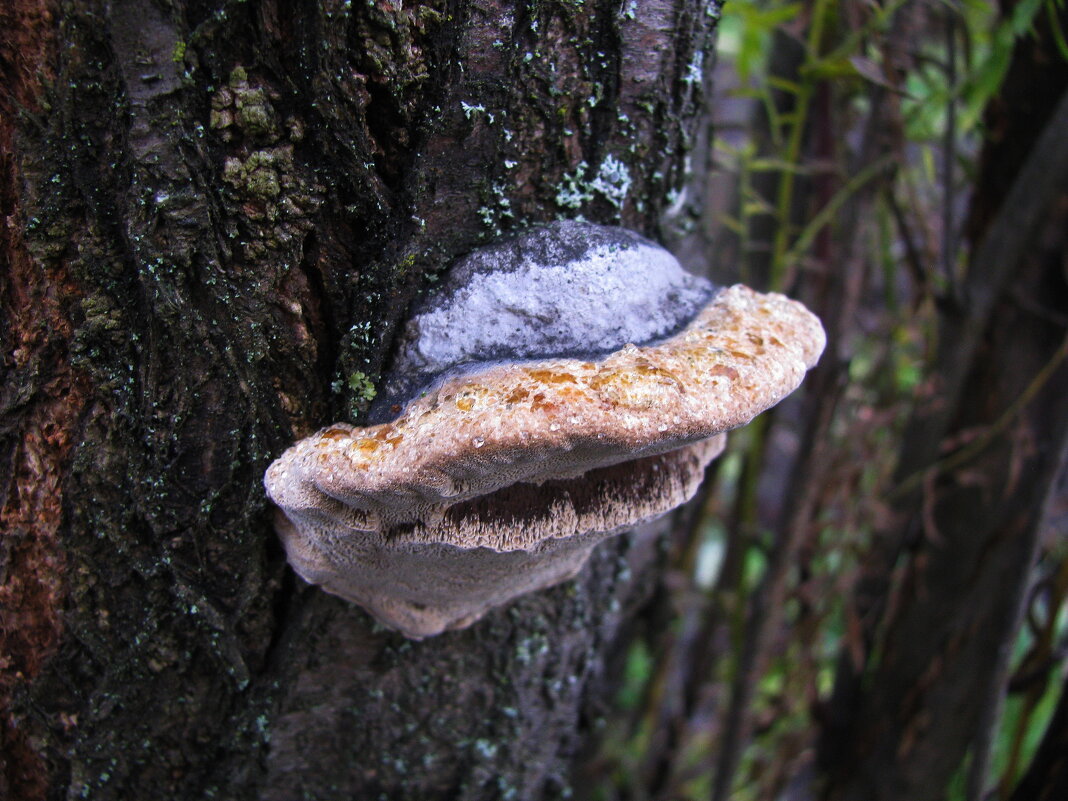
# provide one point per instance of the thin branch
(949, 153)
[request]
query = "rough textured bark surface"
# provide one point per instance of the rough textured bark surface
(214, 216)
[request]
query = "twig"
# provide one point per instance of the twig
(949, 152)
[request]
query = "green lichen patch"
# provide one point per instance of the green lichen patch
(260, 175)
(245, 108)
(272, 197)
(362, 387)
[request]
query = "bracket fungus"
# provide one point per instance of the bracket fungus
(560, 387)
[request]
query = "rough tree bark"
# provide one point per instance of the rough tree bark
(214, 216)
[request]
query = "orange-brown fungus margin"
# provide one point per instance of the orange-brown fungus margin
(38, 334)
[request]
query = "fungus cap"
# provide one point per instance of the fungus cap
(568, 384)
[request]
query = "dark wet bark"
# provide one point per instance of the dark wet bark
(215, 215)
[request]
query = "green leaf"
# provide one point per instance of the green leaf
(830, 68)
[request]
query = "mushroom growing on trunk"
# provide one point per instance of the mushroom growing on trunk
(562, 386)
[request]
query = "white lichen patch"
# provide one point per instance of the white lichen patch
(612, 181)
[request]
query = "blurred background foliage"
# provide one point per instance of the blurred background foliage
(849, 138)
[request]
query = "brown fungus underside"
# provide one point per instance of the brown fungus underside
(498, 482)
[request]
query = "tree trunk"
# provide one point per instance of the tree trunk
(938, 602)
(213, 221)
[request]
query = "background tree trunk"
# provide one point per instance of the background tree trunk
(938, 603)
(214, 217)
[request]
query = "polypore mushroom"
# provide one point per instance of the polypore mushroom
(561, 386)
